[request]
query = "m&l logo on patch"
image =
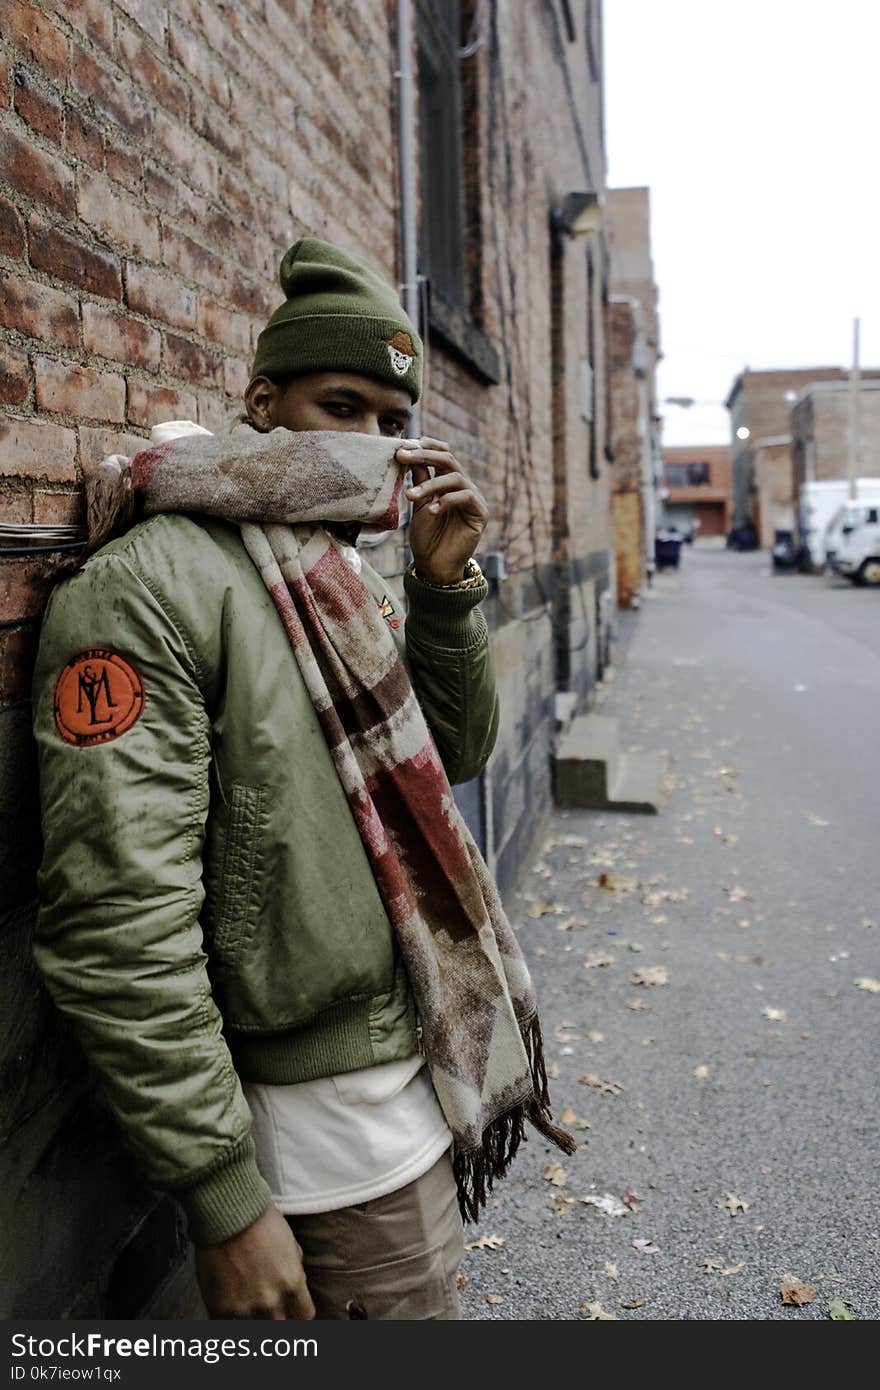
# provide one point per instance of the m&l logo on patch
(389, 612)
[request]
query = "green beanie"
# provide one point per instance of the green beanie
(339, 312)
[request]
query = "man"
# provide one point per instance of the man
(260, 908)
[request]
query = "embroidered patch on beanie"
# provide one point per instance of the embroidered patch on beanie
(400, 350)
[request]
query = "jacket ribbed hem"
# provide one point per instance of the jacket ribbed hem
(340, 1039)
(228, 1199)
(444, 617)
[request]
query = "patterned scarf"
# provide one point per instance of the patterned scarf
(473, 995)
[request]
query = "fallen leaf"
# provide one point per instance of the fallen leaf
(486, 1243)
(645, 1247)
(612, 1271)
(737, 895)
(795, 1292)
(546, 910)
(597, 1313)
(775, 1015)
(604, 1088)
(701, 1072)
(637, 1004)
(630, 1199)
(634, 1303)
(650, 975)
(559, 1203)
(568, 1116)
(604, 958)
(611, 1205)
(494, 1298)
(555, 1173)
(713, 1267)
(733, 1204)
(865, 982)
(571, 924)
(564, 1036)
(595, 1036)
(461, 1279)
(838, 1310)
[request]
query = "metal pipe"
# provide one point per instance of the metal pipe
(407, 172)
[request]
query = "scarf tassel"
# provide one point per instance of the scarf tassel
(477, 1169)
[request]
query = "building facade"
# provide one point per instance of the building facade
(821, 422)
(697, 490)
(633, 336)
(155, 162)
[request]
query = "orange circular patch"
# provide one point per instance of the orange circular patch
(99, 695)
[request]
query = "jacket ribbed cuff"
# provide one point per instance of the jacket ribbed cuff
(444, 617)
(227, 1199)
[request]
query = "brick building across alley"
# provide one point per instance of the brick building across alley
(697, 489)
(155, 162)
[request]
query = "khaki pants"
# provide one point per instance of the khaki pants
(396, 1257)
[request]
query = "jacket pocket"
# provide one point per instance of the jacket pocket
(238, 897)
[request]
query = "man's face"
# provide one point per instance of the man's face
(330, 401)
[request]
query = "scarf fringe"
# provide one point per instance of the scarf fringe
(476, 1170)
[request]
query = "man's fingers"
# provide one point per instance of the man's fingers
(299, 1304)
(464, 497)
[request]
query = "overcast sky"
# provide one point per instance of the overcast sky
(756, 126)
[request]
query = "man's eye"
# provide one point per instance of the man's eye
(338, 407)
(392, 427)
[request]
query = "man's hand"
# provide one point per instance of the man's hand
(256, 1274)
(449, 512)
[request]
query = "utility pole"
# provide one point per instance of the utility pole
(853, 431)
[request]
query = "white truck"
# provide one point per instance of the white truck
(853, 542)
(820, 505)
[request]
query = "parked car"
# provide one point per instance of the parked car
(856, 552)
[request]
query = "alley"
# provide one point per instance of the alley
(730, 1104)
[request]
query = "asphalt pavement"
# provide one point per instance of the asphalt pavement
(731, 1090)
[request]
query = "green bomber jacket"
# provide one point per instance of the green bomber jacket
(207, 913)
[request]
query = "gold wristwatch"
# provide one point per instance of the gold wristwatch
(473, 578)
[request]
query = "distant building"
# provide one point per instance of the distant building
(760, 404)
(633, 345)
(820, 431)
(697, 489)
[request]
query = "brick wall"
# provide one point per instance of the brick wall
(155, 162)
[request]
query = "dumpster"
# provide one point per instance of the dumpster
(667, 549)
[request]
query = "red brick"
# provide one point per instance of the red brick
(236, 194)
(4, 82)
(149, 70)
(160, 296)
(252, 298)
(39, 104)
(151, 405)
(163, 190)
(11, 230)
(83, 137)
(224, 325)
(120, 337)
(63, 388)
(34, 449)
(93, 18)
(192, 362)
(235, 376)
(38, 312)
(18, 652)
(215, 126)
(113, 95)
(33, 33)
(14, 378)
(192, 260)
(191, 51)
(124, 165)
(196, 163)
(36, 173)
(81, 263)
(116, 216)
(149, 15)
(97, 444)
(58, 508)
